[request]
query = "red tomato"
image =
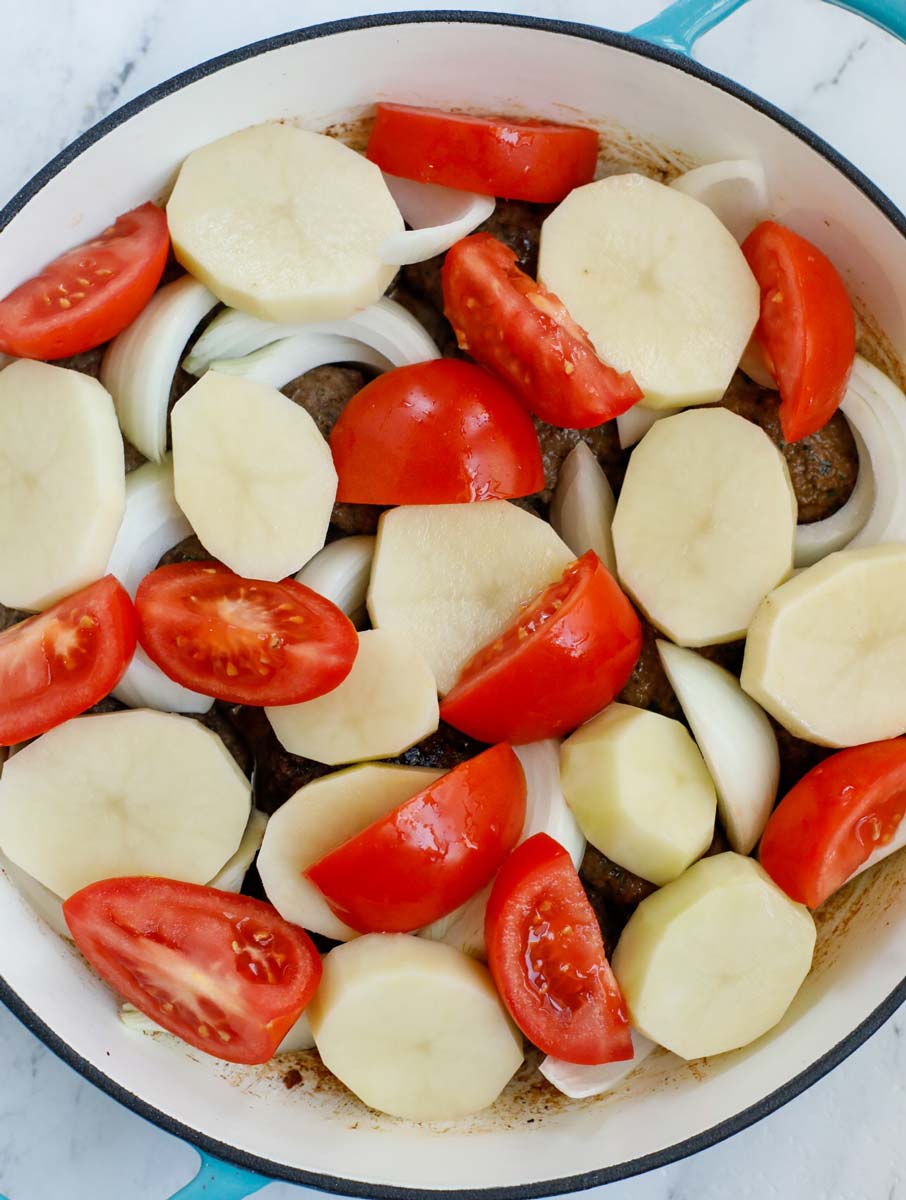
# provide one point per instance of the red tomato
(442, 432)
(496, 156)
(562, 660)
(806, 330)
(834, 818)
(55, 665)
(522, 332)
(224, 972)
(547, 958)
(247, 641)
(429, 855)
(90, 294)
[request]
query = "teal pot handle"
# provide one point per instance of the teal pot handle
(218, 1180)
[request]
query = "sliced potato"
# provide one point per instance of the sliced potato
(413, 1027)
(705, 525)
(449, 577)
(640, 790)
(713, 960)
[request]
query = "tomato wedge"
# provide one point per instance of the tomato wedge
(441, 432)
(248, 641)
(837, 815)
(55, 665)
(90, 294)
(806, 331)
(224, 972)
(562, 660)
(547, 958)
(430, 854)
(496, 156)
(522, 332)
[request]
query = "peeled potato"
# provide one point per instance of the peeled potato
(713, 960)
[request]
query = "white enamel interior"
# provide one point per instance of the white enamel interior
(492, 67)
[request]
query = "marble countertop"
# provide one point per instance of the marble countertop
(64, 64)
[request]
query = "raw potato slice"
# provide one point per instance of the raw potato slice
(415, 1028)
(62, 483)
(713, 960)
(253, 475)
(582, 506)
(658, 283)
(319, 818)
(705, 525)
(826, 653)
(125, 793)
(386, 704)
(284, 223)
(449, 577)
(640, 790)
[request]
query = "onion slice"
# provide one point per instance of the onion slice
(283, 361)
(438, 216)
(634, 423)
(341, 572)
(231, 875)
(735, 190)
(876, 407)
(582, 506)
(40, 899)
(144, 685)
(140, 363)
(753, 364)
(579, 1081)
(735, 738)
(897, 842)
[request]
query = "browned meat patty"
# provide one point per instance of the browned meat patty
(218, 720)
(432, 319)
(188, 550)
(278, 774)
(613, 893)
(648, 686)
(12, 616)
(443, 750)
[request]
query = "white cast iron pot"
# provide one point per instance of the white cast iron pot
(677, 112)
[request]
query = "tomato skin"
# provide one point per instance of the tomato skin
(495, 156)
(441, 432)
(60, 662)
(170, 949)
(224, 636)
(583, 640)
(834, 818)
(806, 329)
(523, 333)
(89, 294)
(547, 958)
(429, 855)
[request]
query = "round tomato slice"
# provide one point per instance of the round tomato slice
(90, 294)
(806, 329)
(547, 958)
(564, 658)
(429, 855)
(247, 641)
(523, 333)
(55, 665)
(496, 156)
(441, 432)
(837, 815)
(224, 972)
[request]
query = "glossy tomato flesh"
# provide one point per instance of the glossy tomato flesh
(547, 958)
(90, 294)
(429, 855)
(247, 641)
(224, 972)
(563, 659)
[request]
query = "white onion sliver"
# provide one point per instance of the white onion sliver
(144, 685)
(752, 364)
(583, 505)
(391, 330)
(877, 409)
(231, 875)
(579, 1081)
(633, 424)
(439, 216)
(341, 572)
(40, 899)
(820, 538)
(735, 190)
(897, 842)
(232, 334)
(280, 362)
(735, 738)
(152, 524)
(298, 1037)
(140, 364)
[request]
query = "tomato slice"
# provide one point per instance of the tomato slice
(563, 659)
(224, 972)
(837, 815)
(248, 641)
(429, 855)
(496, 156)
(55, 665)
(547, 958)
(522, 332)
(441, 432)
(806, 330)
(90, 294)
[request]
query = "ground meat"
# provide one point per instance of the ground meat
(648, 686)
(278, 774)
(823, 467)
(88, 362)
(432, 319)
(613, 893)
(445, 749)
(12, 616)
(556, 444)
(796, 757)
(219, 721)
(109, 704)
(188, 550)
(356, 518)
